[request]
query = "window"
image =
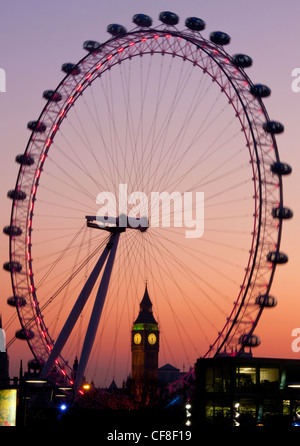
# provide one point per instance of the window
(219, 410)
(245, 377)
(217, 379)
(269, 377)
(286, 407)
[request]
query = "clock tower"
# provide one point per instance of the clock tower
(144, 349)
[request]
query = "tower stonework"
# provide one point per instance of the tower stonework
(145, 348)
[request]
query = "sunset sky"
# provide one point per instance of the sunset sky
(37, 37)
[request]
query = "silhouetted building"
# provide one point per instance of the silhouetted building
(168, 374)
(113, 388)
(245, 391)
(145, 348)
(74, 370)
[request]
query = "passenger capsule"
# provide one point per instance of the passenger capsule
(282, 213)
(220, 38)
(25, 160)
(277, 257)
(242, 60)
(70, 68)
(260, 91)
(169, 18)
(24, 334)
(195, 24)
(266, 301)
(13, 231)
(15, 267)
(142, 20)
(51, 95)
(91, 46)
(249, 340)
(16, 194)
(281, 168)
(273, 127)
(116, 30)
(36, 126)
(16, 301)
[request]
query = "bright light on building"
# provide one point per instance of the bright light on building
(36, 381)
(188, 414)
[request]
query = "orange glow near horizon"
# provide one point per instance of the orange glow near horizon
(155, 124)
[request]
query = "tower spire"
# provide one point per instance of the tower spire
(145, 314)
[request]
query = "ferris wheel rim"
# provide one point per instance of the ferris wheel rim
(72, 100)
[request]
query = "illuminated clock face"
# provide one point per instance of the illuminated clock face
(152, 338)
(137, 338)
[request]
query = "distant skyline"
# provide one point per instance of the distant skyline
(37, 38)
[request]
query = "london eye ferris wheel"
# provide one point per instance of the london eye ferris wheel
(156, 109)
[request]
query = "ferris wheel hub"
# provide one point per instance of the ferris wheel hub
(117, 224)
